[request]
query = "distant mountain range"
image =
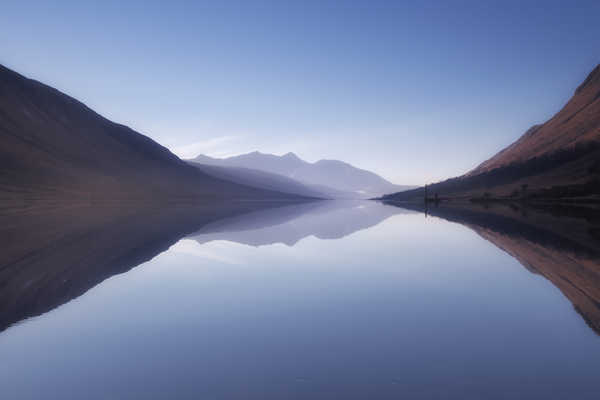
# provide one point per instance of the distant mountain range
(330, 178)
(55, 150)
(558, 160)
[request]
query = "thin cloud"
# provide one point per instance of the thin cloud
(211, 147)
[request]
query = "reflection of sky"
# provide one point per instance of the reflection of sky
(413, 91)
(407, 306)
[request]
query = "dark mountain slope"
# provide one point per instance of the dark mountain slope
(54, 149)
(578, 122)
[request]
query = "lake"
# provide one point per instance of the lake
(323, 300)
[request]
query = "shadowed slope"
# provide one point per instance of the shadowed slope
(578, 122)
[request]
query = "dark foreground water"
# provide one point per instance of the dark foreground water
(320, 301)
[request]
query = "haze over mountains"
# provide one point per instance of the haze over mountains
(559, 159)
(332, 178)
(266, 180)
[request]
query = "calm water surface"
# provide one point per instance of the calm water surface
(357, 300)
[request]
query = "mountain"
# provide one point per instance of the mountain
(559, 159)
(55, 150)
(578, 123)
(332, 177)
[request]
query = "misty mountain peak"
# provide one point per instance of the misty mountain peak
(202, 157)
(329, 176)
(291, 156)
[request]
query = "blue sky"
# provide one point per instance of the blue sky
(416, 91)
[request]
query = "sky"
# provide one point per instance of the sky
(415, 91)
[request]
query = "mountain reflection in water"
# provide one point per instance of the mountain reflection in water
(560, 243)
(50, 258)
(320, 300)
(290, 224)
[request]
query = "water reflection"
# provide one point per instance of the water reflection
(248, 301)
(49, 259)
(290, 224)
(559, 243)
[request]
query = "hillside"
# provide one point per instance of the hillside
(55, 150)
(577, 123)
(558, 160)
